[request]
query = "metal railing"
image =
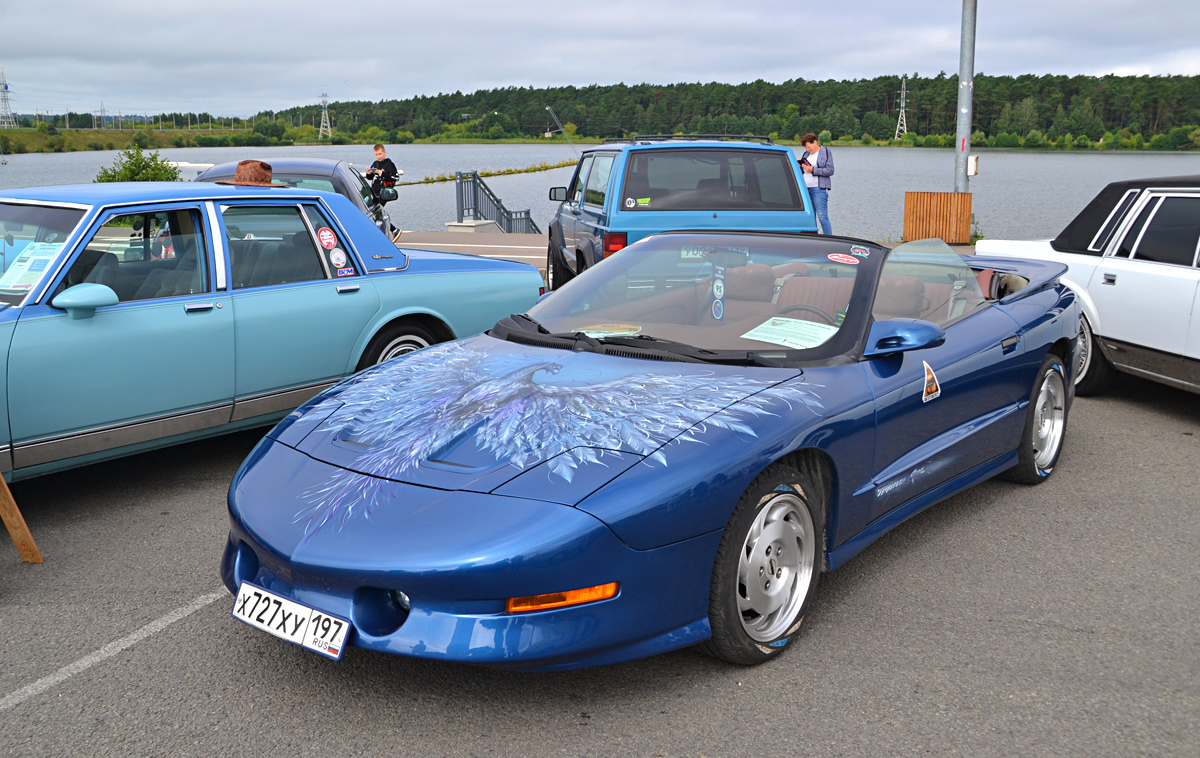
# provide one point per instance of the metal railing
(476, 201)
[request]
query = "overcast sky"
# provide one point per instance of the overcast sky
(237, 57)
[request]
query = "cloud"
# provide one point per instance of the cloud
(237, 58)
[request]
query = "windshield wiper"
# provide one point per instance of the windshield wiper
(650, 342)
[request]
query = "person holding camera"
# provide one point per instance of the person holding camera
(817, 163)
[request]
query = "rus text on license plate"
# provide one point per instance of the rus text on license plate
(289, 620)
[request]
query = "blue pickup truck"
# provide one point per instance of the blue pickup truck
(627, 189)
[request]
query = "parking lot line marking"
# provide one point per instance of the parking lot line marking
(108, 651)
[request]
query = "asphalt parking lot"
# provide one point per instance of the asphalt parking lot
(1009, 620)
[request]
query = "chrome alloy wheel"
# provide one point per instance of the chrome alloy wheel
(402, 345)
(775, 569)
(1050, 419)
(1085, 350)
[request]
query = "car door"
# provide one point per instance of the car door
(568, 217)
(942, 410)
(1145, 288)
(592, 219)
(156, 364)
(299, 303)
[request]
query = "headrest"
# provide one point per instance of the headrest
(900, 296)
(797, 268)
(754, 281)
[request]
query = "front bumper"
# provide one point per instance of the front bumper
(458, 556)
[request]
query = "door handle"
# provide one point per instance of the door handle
(344, 288)
(196, 307)
(1109, 279)
(1010, 343)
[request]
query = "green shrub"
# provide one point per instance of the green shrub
(1083, 141)
(206, 140)
(1035, 139)
(141, 140)
(867, 139)
(94, 145)
(824, 136)
(1008, 139)
(133, 165)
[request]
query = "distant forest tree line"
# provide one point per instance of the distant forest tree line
(1117, 112)
(1008, 110)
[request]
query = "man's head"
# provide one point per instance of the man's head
(380, 152)
(810, 142)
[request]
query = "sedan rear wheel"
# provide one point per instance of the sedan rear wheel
(1093, 374)
(394, 341)
(766, 568)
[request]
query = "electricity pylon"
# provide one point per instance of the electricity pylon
(6, 117)
(326, 131)
(901, 126)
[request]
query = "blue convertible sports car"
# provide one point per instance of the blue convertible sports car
(140, 315)
(669, 450)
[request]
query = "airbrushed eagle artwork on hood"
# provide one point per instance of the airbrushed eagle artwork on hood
(408, 410)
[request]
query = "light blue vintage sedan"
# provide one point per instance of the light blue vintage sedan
(135, 316)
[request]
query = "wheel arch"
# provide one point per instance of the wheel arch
(817, 466)
(435, 323)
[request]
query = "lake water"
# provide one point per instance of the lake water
(1019, 194)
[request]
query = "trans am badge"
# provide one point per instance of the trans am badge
(932, 388)
(407, 410)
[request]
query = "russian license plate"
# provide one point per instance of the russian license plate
(316, 630)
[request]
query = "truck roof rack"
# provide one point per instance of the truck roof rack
(647, 138)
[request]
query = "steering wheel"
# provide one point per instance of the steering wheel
(810, 309)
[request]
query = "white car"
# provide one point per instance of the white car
(1132, 258)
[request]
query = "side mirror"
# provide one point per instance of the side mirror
(558, 194)
(387, 195)
(82, 300)
(899, 335)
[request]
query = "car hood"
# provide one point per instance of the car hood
(473, 415)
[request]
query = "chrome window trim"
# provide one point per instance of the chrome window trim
(1162, 196)
(1131, 218)
(348, 241)
(1100, 249)
(69, 246)
(312, 235)
(166, 205)
(51, 203)
(218, 239)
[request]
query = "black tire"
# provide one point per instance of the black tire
(1045, 425)
(784, 501)
(557, 273)
(395, 340)
(1093, 374)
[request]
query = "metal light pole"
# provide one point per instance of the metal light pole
(966, 95)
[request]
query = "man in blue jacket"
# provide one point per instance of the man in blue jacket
(817, 163)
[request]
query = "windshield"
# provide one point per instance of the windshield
(781, 296)
(31, 237)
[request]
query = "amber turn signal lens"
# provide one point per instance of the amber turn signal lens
(561, 599)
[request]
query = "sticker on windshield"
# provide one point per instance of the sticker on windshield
(861, 252)
(694, 252)
(596, 331)
(718, 290)
(932, 388)
(630, 202)
(643, 202)
(327, 237)
(791, 332)
(337, 257)
(839, 258)
(29, 267)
